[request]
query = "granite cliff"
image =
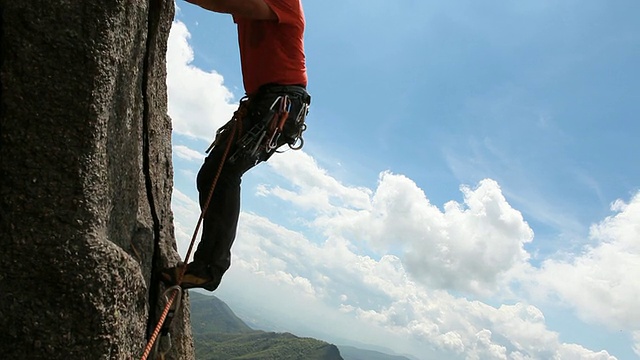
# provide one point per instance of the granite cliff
(85, 178)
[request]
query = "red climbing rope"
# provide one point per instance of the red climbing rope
(237, 120)
(156, 331)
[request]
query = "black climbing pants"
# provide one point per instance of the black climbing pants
(221, 218)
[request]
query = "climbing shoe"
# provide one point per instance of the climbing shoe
(196, 276)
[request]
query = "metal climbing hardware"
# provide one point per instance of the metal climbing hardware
(301, 126)
(265, 136)
(282, 116)
(163, 344)
(175, 306)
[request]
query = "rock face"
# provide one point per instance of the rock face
(85, 178)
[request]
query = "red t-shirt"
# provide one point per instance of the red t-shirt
(273, 51)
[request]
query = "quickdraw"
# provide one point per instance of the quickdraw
(277, 123)
(301, 126)
(264, 137)
(163, 344)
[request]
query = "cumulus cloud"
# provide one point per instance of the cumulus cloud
(374, 300)
(313, 188)
(368, 293)
(187, 153)
(575, 351)
(363, 293)
(469, 246)
(602, 282)
(199, 103)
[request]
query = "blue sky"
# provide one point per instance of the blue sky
(468, 187)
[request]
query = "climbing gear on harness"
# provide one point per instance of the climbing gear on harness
(268, 134)
(271, 130)
(262, 138)
(300, 126)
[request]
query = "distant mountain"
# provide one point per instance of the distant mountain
(352, 353)
(220, 335)
(210, 314)
(260, 345)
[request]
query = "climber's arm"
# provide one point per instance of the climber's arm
(249, 9)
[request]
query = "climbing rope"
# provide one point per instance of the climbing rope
(175, 291)
(262, 139)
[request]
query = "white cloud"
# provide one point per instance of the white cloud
(357, 297)
(470, 246)
(199, 103)
(187, 153)
(186, 212)
(575, 351)
(314, 188)
(362, 293)
(602, 282)
(484, 348)
(377, 299)
(636, 342)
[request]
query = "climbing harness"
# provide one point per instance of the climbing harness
(269, 132)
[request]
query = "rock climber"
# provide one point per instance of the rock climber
(272, 114)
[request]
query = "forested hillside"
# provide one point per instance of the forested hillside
(220, 335)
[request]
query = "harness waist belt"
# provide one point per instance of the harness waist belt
(295, 90)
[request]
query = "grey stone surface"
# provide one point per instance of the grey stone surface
(85, 178)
